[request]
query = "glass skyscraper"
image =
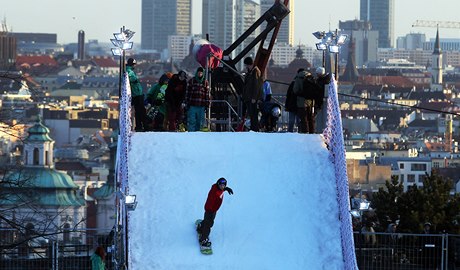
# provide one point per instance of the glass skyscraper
(161, 19)
(380, 13)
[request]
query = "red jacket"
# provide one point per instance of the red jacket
(214, 201)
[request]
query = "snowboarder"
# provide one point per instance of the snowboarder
(213, 203)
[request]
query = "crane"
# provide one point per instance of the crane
(440, 24)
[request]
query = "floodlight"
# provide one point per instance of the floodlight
(364, 205)
(128, 34)
(127, 45)
(318, 34)
(117, 52)
(116, 43)
(355, 213)
(119, 36)
(321, 46)
(130, 199)
(333, 48)
(130, 202)
(341, 39)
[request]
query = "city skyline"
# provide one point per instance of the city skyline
(87, 16)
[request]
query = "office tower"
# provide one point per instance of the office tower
(286, 32)
(227, 20)
(7, 50)
(161, 19)
(365, 41)
(81, 45)
(380, 13)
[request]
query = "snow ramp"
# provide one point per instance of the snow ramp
(283, 214)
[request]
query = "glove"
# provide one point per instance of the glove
(229, 190)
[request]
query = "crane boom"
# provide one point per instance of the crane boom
(440, 24)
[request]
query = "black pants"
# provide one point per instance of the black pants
(307, 120)
(206, 224)
(139, 113)
(253, 114)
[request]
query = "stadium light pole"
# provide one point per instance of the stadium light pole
(331, 42)
(122, 43)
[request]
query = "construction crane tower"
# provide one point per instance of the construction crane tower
(440, 24)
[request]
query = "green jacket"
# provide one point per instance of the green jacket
(136, 87)
(97, 263)
(156, 96)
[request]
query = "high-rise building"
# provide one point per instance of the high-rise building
(286, 31)
(226, 20)
(7, 50)
(380, 13)
(365, 41)
(81, 45)
(411, 41)
(161, 19)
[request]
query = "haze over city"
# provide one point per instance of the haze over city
(99, 19)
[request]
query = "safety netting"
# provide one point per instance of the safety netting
(333, 135)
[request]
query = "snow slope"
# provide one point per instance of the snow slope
(283, 215)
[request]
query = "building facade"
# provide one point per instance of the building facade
(380, 13)
(226, 20)
(161, 19)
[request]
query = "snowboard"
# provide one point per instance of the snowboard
(204, 250)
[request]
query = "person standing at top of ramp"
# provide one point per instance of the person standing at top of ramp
(252, 92)
(213, 203)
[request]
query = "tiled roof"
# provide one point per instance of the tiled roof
(36, 59)
(105, 62)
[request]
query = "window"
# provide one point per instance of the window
(411, 178)
(401, 165)
(402, 178)
(66, 236)
(418, 167)
(36, 157)
(421, 178)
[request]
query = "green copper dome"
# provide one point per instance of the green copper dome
(41, 186)
(38, 132)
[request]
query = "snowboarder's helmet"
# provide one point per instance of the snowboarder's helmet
(276, 112)
(222, 181)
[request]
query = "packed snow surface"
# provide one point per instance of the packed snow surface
(283, 213)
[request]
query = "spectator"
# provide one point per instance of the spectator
(291, 106)
(252, 92)
(197, 99)
(98, 259)
(305, 88)
(137, 97)
(174, 97)
(156, 101)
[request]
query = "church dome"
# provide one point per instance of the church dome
(38, 132)
(42, 186)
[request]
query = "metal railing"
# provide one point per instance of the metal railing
(374, 251)
(42, 253)
(230, 119)
(407, 251)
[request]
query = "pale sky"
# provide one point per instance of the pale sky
(100, 18)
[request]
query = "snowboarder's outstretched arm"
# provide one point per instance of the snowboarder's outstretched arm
(229, 190)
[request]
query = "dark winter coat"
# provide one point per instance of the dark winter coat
(214, 200)
(291, 99)
(321, 81)
(175, 93)
(253, 85)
